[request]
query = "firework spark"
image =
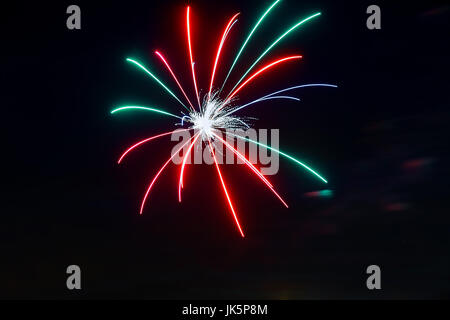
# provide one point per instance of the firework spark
(214, 115)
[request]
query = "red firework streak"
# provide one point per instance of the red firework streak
(200, 116)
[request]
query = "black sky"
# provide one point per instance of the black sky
(381, 139)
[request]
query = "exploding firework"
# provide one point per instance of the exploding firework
(214, 114)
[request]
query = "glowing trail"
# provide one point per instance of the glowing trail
(157, 80)
(270, 65)
(243, 158)
(254, 169)
(174, 77)
(159, 172)
(144, 108)
(282, 153)
(302, 86)
(229, 29)
(261, 100)
(248, 38)
(225, 191)
(224, 36)
(148, 139)
(180, 184)
(188, 29)
(271, 95)
(273, 44)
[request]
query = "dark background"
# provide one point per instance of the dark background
(381, 140)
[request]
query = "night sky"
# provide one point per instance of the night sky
(381, 139)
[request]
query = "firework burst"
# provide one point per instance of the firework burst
(214, 114)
